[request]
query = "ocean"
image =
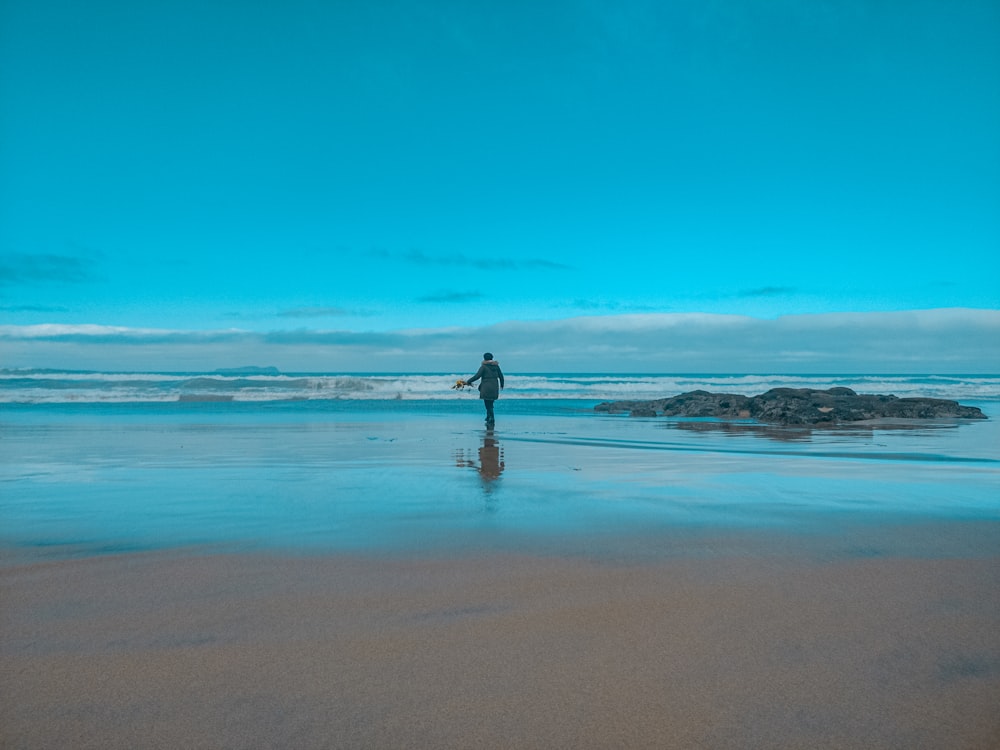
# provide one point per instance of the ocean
(57, 386)
(98, 463)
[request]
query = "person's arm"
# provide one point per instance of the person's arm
(479, 374)
(501, 377)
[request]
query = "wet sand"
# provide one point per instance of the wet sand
(387, 578)
(737, 643)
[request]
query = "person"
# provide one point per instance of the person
(490, 378)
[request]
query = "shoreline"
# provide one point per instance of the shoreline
(356, 481)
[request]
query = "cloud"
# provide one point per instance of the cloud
(312, 312)
(34, 308)
(24, 268)
(916, 341)
(768, 291)
(607, 306)
(419, 258)
(450, 296)
(101, 334)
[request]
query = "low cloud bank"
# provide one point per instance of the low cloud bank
(917, 341)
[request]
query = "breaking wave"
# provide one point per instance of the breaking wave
(52, 386)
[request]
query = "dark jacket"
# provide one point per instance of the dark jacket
(491, 379)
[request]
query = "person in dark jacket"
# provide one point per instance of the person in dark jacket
(490, 378)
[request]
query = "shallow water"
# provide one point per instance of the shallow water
(82, 479)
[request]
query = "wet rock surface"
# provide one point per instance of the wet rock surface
(795, 406)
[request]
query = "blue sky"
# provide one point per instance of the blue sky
(341, 185)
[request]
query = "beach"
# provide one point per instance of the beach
(451, 375)
(749, 650)
(392, 574)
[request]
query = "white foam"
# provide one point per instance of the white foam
(75, 387)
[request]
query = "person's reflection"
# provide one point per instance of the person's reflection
(490, 464)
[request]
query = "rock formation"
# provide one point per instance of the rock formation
(795, 406)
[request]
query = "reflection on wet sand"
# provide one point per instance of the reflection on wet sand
(489, 462)
(800, 433)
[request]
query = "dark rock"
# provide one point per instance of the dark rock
(642, 411)
(796, 406)
(621, 407)
(705, 404)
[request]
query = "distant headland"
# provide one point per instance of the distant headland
(796, 406)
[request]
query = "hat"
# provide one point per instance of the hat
(488, 355)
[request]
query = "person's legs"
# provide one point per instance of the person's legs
(488, 403)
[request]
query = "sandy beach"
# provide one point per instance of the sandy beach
(388, 576)
(773, 650)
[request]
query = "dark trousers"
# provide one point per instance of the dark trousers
(488, 403)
